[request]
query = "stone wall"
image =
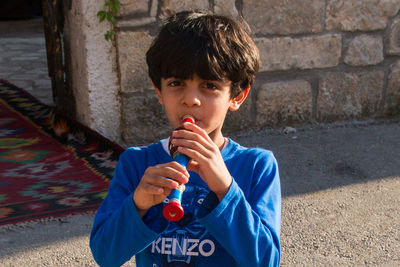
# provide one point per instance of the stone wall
(92, 69)
(322, 61)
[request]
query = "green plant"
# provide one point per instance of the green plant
(111, 9)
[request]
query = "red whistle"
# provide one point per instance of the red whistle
(173, 211)
(188, 118)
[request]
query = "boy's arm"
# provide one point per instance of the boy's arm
(118, 231)
(249, 228)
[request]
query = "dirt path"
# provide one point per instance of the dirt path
(341, 193)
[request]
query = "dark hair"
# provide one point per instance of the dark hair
(211, 46)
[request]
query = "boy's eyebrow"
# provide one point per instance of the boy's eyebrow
(224, 79)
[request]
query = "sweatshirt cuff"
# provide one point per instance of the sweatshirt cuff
(211, 203)
(137, 222)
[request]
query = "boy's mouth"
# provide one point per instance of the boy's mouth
(188, 118)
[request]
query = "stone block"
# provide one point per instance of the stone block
(363, 15)
(394, 38)
(135, 22)
(364, 50)
(133, 6)
(284, 102)
(169, 7)
(132, 48)
(226, 8)
(284, 53)
(392, 105)
(284, 17)
(142, 119)
(344, 95)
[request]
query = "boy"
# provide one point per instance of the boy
(201, 65)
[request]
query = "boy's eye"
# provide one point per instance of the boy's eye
(210, 86)
(174, 83)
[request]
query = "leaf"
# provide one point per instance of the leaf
(112, 7)
(107, 36)
(116, 5)
(102, 15)
(109, 16)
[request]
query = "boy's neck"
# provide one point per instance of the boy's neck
(218, 139)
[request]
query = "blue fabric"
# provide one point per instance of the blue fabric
(241, 230)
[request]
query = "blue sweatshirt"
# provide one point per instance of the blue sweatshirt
(241, 230)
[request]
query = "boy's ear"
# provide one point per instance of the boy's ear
(158, 92)
(238, 100)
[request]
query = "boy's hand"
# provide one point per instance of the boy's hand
(206, 157)
(155, 185)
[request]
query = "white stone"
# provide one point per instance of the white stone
(364, 15)
(226, 8)
(284, 17)
(284, 102)
(169, 7)
(392, 105)
(93, 69)
(364, 50)
(132, 47)
(394, 38)
(284, 53)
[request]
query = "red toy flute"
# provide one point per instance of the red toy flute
(173, 211)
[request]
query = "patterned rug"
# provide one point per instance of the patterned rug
(50, 165)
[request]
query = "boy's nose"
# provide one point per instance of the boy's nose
(191, 97)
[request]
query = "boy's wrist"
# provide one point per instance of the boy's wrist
(221, 195)
(141, 212)
(222, 191)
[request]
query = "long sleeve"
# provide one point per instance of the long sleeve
(248, 227)
(241, 230)
(118, 232)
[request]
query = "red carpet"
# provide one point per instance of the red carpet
(50, 165)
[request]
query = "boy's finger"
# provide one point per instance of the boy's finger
(151, 189)
(174, 174)
(161, 182)
(175, 165)
(194, 132)
(196, 129)
(185, 144)
(171, 170)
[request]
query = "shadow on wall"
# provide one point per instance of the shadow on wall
(332, 156)
(20, 9)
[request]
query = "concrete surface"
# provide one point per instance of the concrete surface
(341, 193)
(341, 198)
(23, 59)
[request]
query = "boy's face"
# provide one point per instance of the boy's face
(206, 101)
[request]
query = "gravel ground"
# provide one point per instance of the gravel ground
(341, 193)
(340, 186)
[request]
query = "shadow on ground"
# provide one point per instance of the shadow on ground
(331, 156)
